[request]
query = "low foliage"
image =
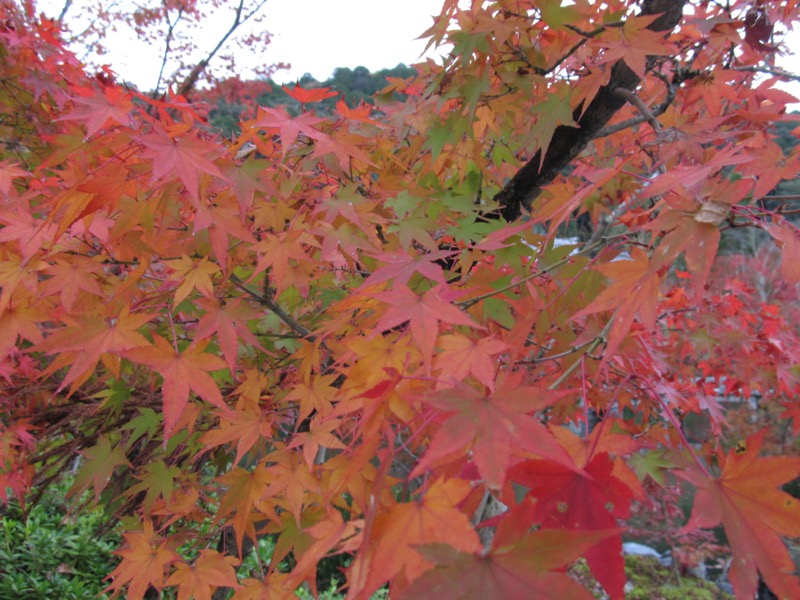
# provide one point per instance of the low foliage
(54, 553)
(356, 334)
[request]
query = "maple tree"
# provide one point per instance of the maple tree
(357, 335)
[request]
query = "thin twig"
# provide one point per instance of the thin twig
(472, 301)
(273, 306)
(170, 31)
(238, 21)
(775, 71)
(633, 99)
(600, 338)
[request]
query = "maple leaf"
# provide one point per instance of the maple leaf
(19, 319)
(181, 372)
(788, 237)
(278, 586)
(490, 426)
(586, 500)
(157, 480)
(758, 29)
(276, 252)
(101, 461)
(550, 113)
(185, 156)
(633, 43)
(344, 146)
(397, 533)
(319, 434)
(288, 127)
(245, 427)
(245, 488)
(635, 291)
(210, 571)
(423, 313)
(246, 179)
(8, 171)
(361, 113)
(31, 234)
(745, 499)
(400, 266)
(229, 322)
(194, 275)
(531, 568)
(314, 396)
(96, 107)
(143, 562)
(304, 96)
(94, 338)
(69, 278)
(462, 356)
(292, 480)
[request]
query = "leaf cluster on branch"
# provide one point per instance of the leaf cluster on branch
(357, 334)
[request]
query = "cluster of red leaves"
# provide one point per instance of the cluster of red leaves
(330, 340)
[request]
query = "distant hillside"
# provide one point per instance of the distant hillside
(231, 100)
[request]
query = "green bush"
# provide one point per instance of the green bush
(51, 553)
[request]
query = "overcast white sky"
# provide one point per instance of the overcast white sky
(315, 36)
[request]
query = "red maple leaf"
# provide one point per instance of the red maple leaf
(288, 127)
(143, 562)
(96, 107)
(588, 500)
(304, 96)
(185, 156)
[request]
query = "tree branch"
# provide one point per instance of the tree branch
(569, 142)
(274, 307)
(239, 20)
(640, 106)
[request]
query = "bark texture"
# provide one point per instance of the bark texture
(569, 142)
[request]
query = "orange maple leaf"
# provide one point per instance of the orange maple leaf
(143, 562)
(210, 571)
(462, 356)
(182, 372)
(288, 127)
(423, 313)
(398, 533)
(98, 106)
(245, 488)
(304, 96)
(193, 275)
(8, 172)
(745, 499)
(96, 338)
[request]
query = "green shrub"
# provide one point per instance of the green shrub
(51, 553)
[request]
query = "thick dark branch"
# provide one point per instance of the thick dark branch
(569, 142)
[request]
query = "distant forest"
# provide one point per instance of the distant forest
(231, 100)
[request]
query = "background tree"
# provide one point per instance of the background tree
(185, 29)
(359, 337)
